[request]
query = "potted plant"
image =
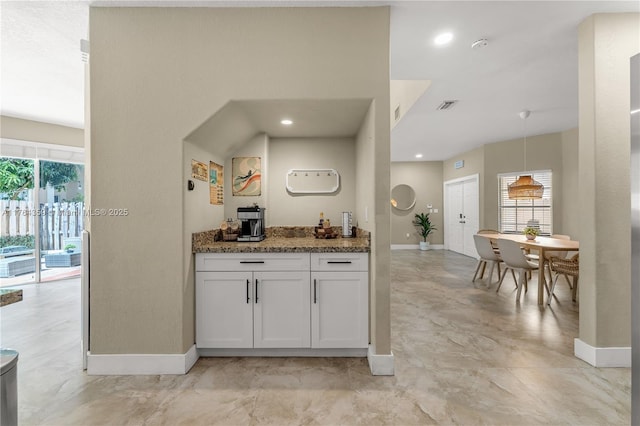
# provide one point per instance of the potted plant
(69, 248)
(423, 223)
(531, 233)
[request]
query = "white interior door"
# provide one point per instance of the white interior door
(461, 212)
(454, 212)
(470, 213)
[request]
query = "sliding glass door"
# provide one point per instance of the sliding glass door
(17, 223)
(42, 207)
(61, 200)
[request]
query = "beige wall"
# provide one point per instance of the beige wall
(606, 43)
(310, 153)
(569, 205)
(36, 131)
(425, 177)
(156, 75)
(372, 214)
(544, 152)
(200, 215)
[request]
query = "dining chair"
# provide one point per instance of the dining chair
(568, 268)
(559, 254)
(514, 258)
(487, 256)
(493, 245)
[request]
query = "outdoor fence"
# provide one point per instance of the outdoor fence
(58, 221)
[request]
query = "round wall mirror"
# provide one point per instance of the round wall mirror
(403, 197)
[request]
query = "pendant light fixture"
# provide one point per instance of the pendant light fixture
(525, 187)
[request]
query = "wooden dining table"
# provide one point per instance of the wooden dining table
(541, 245)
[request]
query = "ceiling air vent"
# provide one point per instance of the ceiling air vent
(446, 105)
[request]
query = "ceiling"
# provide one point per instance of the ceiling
(238, 121)
(530, 62)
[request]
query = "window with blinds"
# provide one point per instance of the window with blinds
(515, 215)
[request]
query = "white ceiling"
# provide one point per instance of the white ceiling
(238, 121)
(530, 63)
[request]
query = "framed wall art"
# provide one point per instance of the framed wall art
(216, 183)
(199, 170)
(246, 174)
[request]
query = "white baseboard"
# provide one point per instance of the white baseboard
(282, 352)
(415, 247)
(141, 364)
(380, 365)
(602, 357)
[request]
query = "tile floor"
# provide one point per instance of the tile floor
(463, 355)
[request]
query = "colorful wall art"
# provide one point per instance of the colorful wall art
(246, 174)
(216, 182)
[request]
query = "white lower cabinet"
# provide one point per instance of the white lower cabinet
(281, 317)
(340, 300)
(252, 301)
(282, 300)
(224, 309)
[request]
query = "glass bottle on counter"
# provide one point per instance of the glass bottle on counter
(321, 219)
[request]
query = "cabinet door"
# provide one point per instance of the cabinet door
(339, 310)
(281, 310)
(224, 310)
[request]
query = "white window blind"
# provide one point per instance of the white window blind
(515, 215)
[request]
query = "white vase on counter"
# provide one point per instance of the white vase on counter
(424, 245)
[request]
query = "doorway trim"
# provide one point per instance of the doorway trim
(446, 185)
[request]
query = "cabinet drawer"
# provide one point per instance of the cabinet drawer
(339, 261)
(252, 262)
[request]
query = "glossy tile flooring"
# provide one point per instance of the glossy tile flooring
(463, 355)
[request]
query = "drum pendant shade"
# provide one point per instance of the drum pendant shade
(525, 188)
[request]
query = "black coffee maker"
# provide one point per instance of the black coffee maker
(252, 223)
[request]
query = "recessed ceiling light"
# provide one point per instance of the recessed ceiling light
(286, 122)
(443, 39)
(418, 155)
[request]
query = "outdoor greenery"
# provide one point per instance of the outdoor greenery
(423, 223)
(18, 240)
(17, 174)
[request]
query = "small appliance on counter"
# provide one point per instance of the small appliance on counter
(252, 224)
(347, 225)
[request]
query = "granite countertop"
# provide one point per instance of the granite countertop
(282, 240)
(9, 296)
(288, 245)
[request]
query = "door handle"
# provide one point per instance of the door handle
(256, 290)
(315, 294)
(248, 299)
